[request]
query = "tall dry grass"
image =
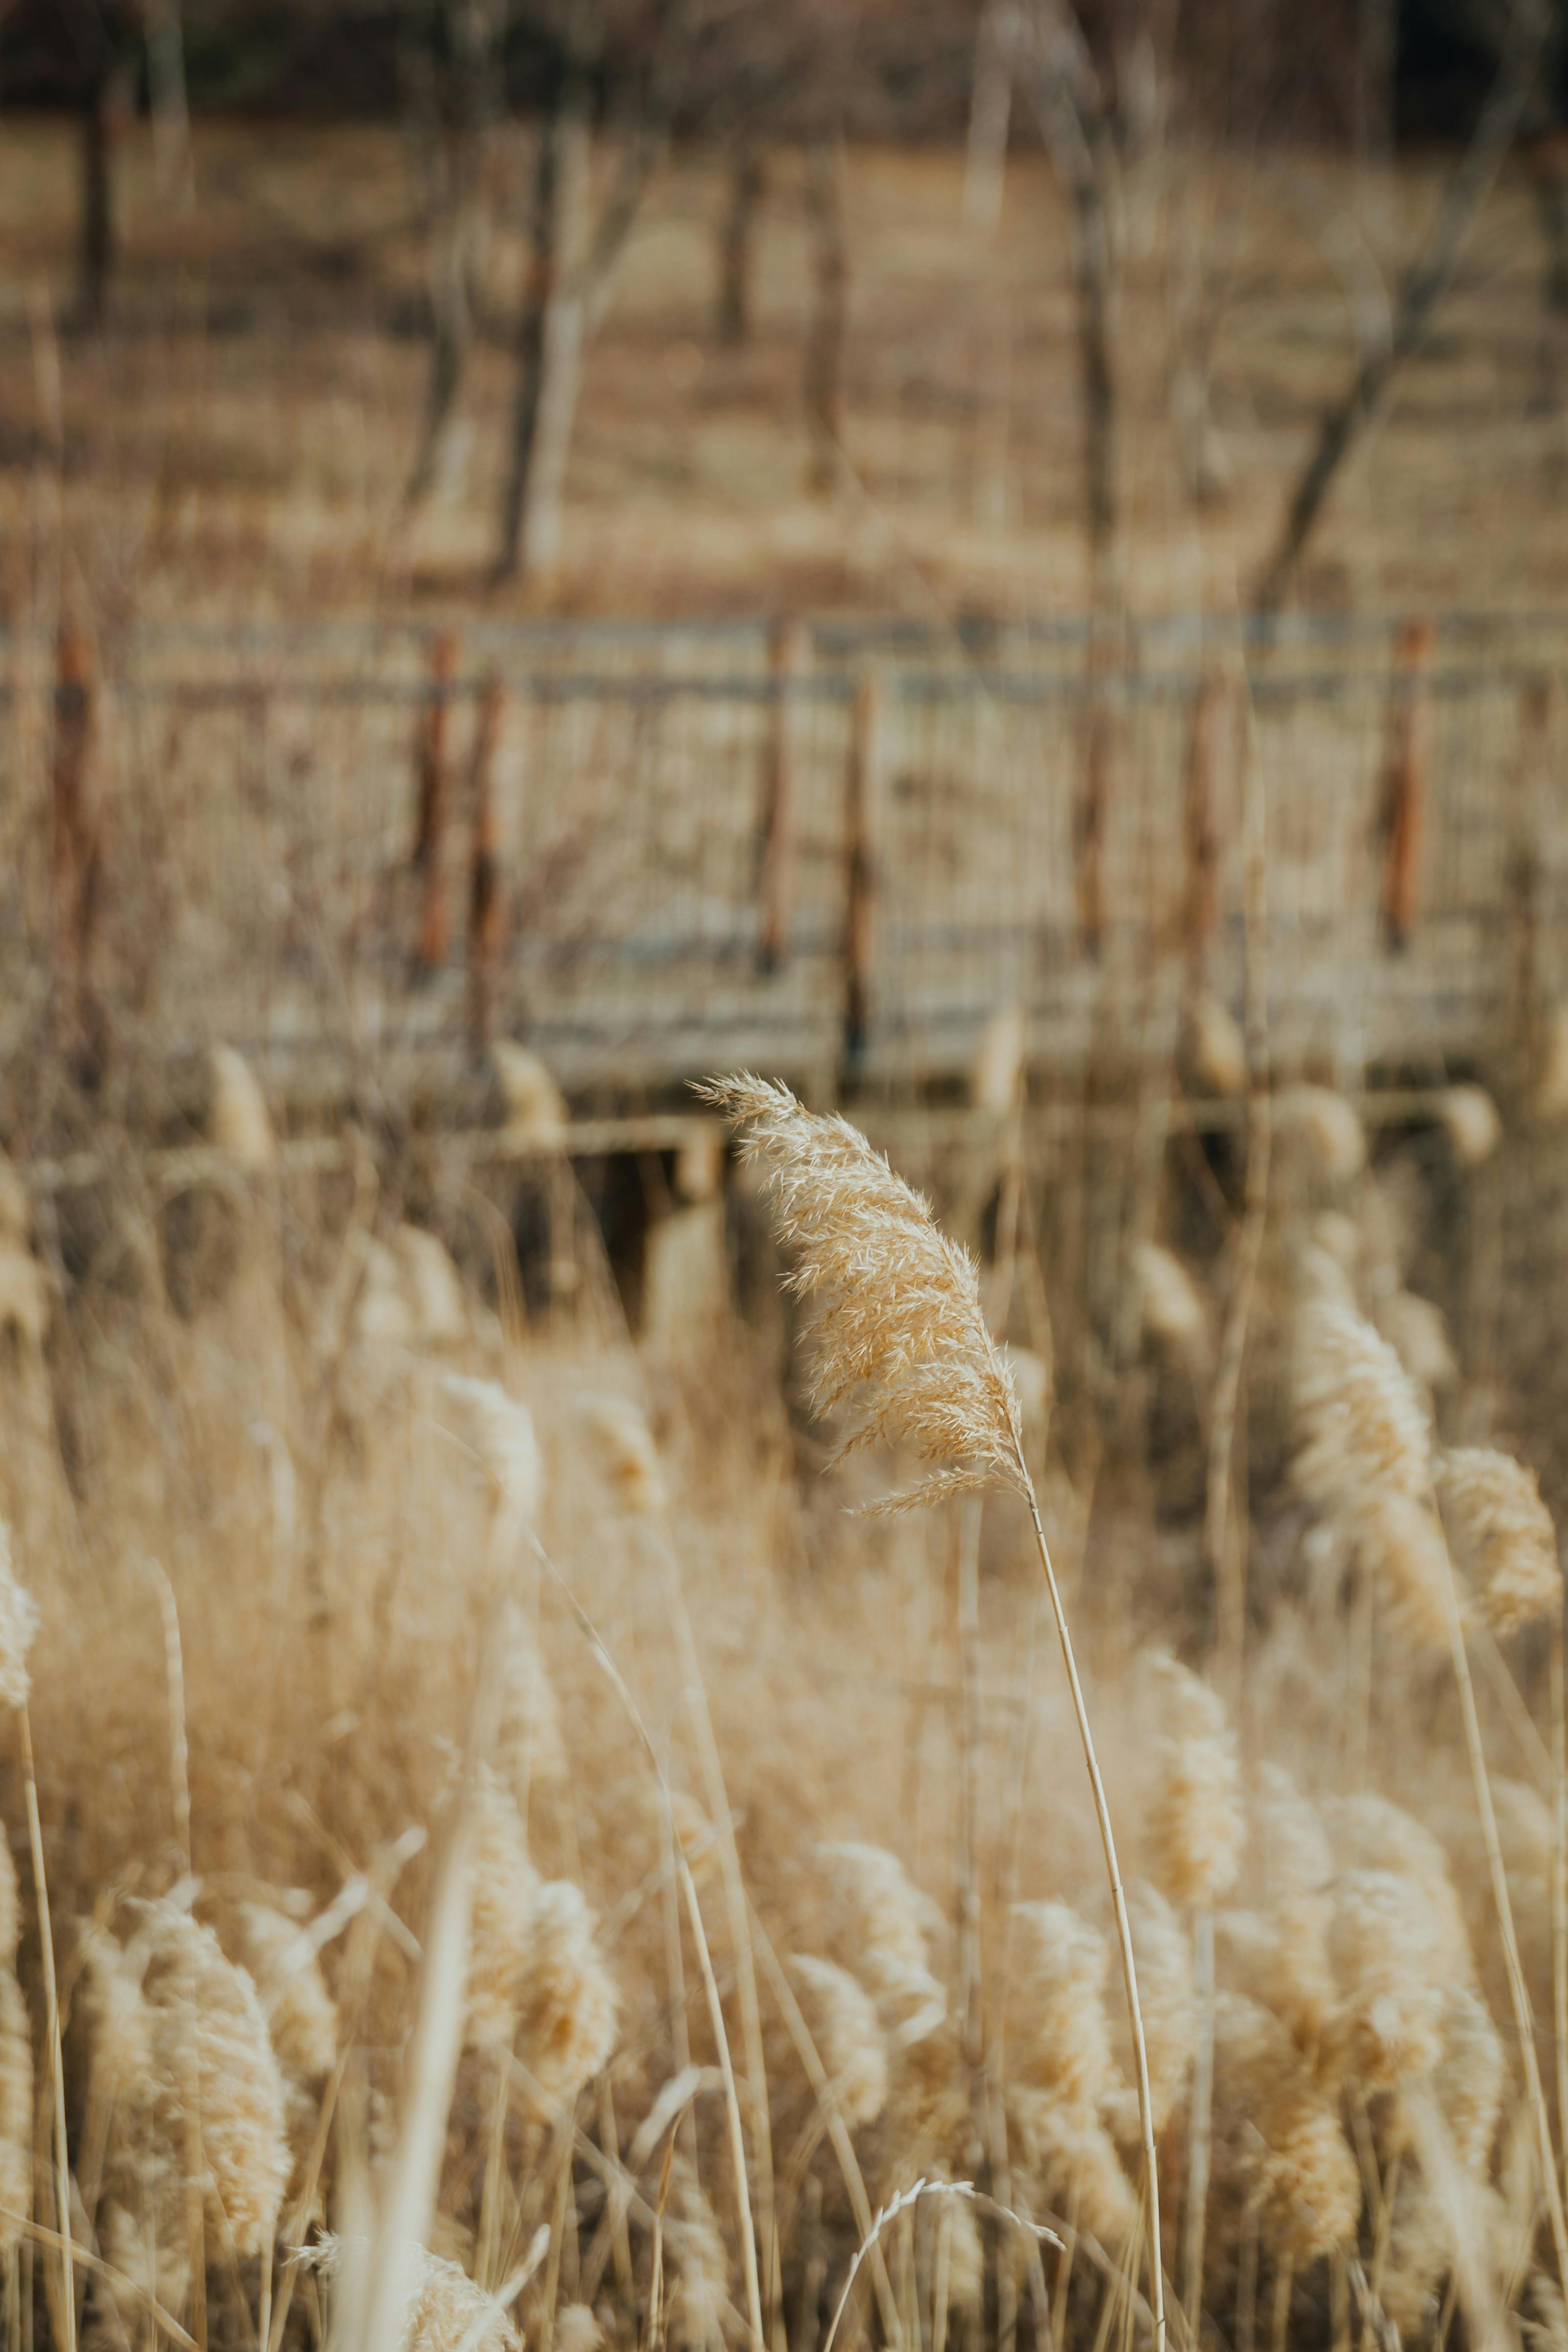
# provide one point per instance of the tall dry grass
(516, 1860)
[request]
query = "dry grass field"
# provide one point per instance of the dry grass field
(240, 442)
(507, 1843)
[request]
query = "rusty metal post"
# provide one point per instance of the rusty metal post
(1090, 815)
(1200, 831)
(776, 874)
(75, 847)
(487, 915)
(433, 773)
(1403, 788)
(862, 796)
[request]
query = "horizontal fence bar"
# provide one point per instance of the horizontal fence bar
(1122, 687)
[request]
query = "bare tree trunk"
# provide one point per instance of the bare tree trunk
(166, 99)
(551, 350)
(996, 43)
(823, 381)
(1422, 290)
(97, 238)
(1548, 161)
(455, 175)
(1072, 112)
(736, 242)
(1376, 59)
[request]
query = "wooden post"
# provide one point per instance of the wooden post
(75, 851)
(433, 770)
(862, 794)
(775, 894)
(1538, 713)
(487, 915)
(1088, 817)
(1405, 784)
(1200, 839)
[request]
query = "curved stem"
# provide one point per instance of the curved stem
(1123, 1931)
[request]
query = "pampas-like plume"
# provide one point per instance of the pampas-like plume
(18, 1624)
(880, 1924)
(238, 1121)
(301, 2016)
(1390, 1962)
(629, 1454)
(498, 1431)
(1174, 1309)
(903, 1348)
(1362, 1430)
(1070, 2163)
(1399, 1543)
(576, 2329)
(900, 1343)
(1371, 1833)
(535, 1113)
(1417, 1331)
(504, 1882)
(848, 2037)
(528, 1742)
(1058, 2038)
(445, 2313)
(1197, 1827)
(996, 1073)
(177, 2025)
(697, 2258)
(1330, 1127)
(16, 2113)
(568, 2002)
(1279, 2152)
(1470, 1122)
(1217, 1047)
(1169, 2011)
(1298, 1864)
(1502, 1534)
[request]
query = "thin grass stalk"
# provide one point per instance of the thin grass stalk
(1123, 1931)
(179, 1742)
(1560, 1875)
(1225, 1546)
(51, 2029)
(837, 2129)
(968, 1857)
(694, 1912)
(741, 1946)
(1196, 2218)
(557, 2240)
(1519, 1992)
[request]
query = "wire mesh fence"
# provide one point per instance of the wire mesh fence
(788, 846)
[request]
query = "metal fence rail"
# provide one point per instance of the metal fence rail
(801, 844)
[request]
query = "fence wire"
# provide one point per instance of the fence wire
(1034, 818)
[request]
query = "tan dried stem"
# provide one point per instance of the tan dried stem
(903, 1352)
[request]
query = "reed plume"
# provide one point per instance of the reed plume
(301, 2016)
(504, 1885)
(848, 2037)
(1062, 2074)
(1197, 1827)
(1502, 1536)
(567, 2002)
(1280, 2150)
(18, 1625)
(445, 2311)
(903, 1350)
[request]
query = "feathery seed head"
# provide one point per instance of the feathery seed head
(1399, 1544)
(1417, 1331)
(15, 2112)
(238, 1122)
(498, 1432)
(1164, 1953)
(848, 2037)
(1502, 1536)
(18, 1624)
(504, 1884)
(1389, 1961)
(1058, 2038)
(1330, 1128)
(1279, 2152)
(900, 1341)
(534, 1108)
(1198, 1827)
(569, 2005)
(1362, 1429)
(630, 1457)
(1471, 1124)
(301, 2016)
